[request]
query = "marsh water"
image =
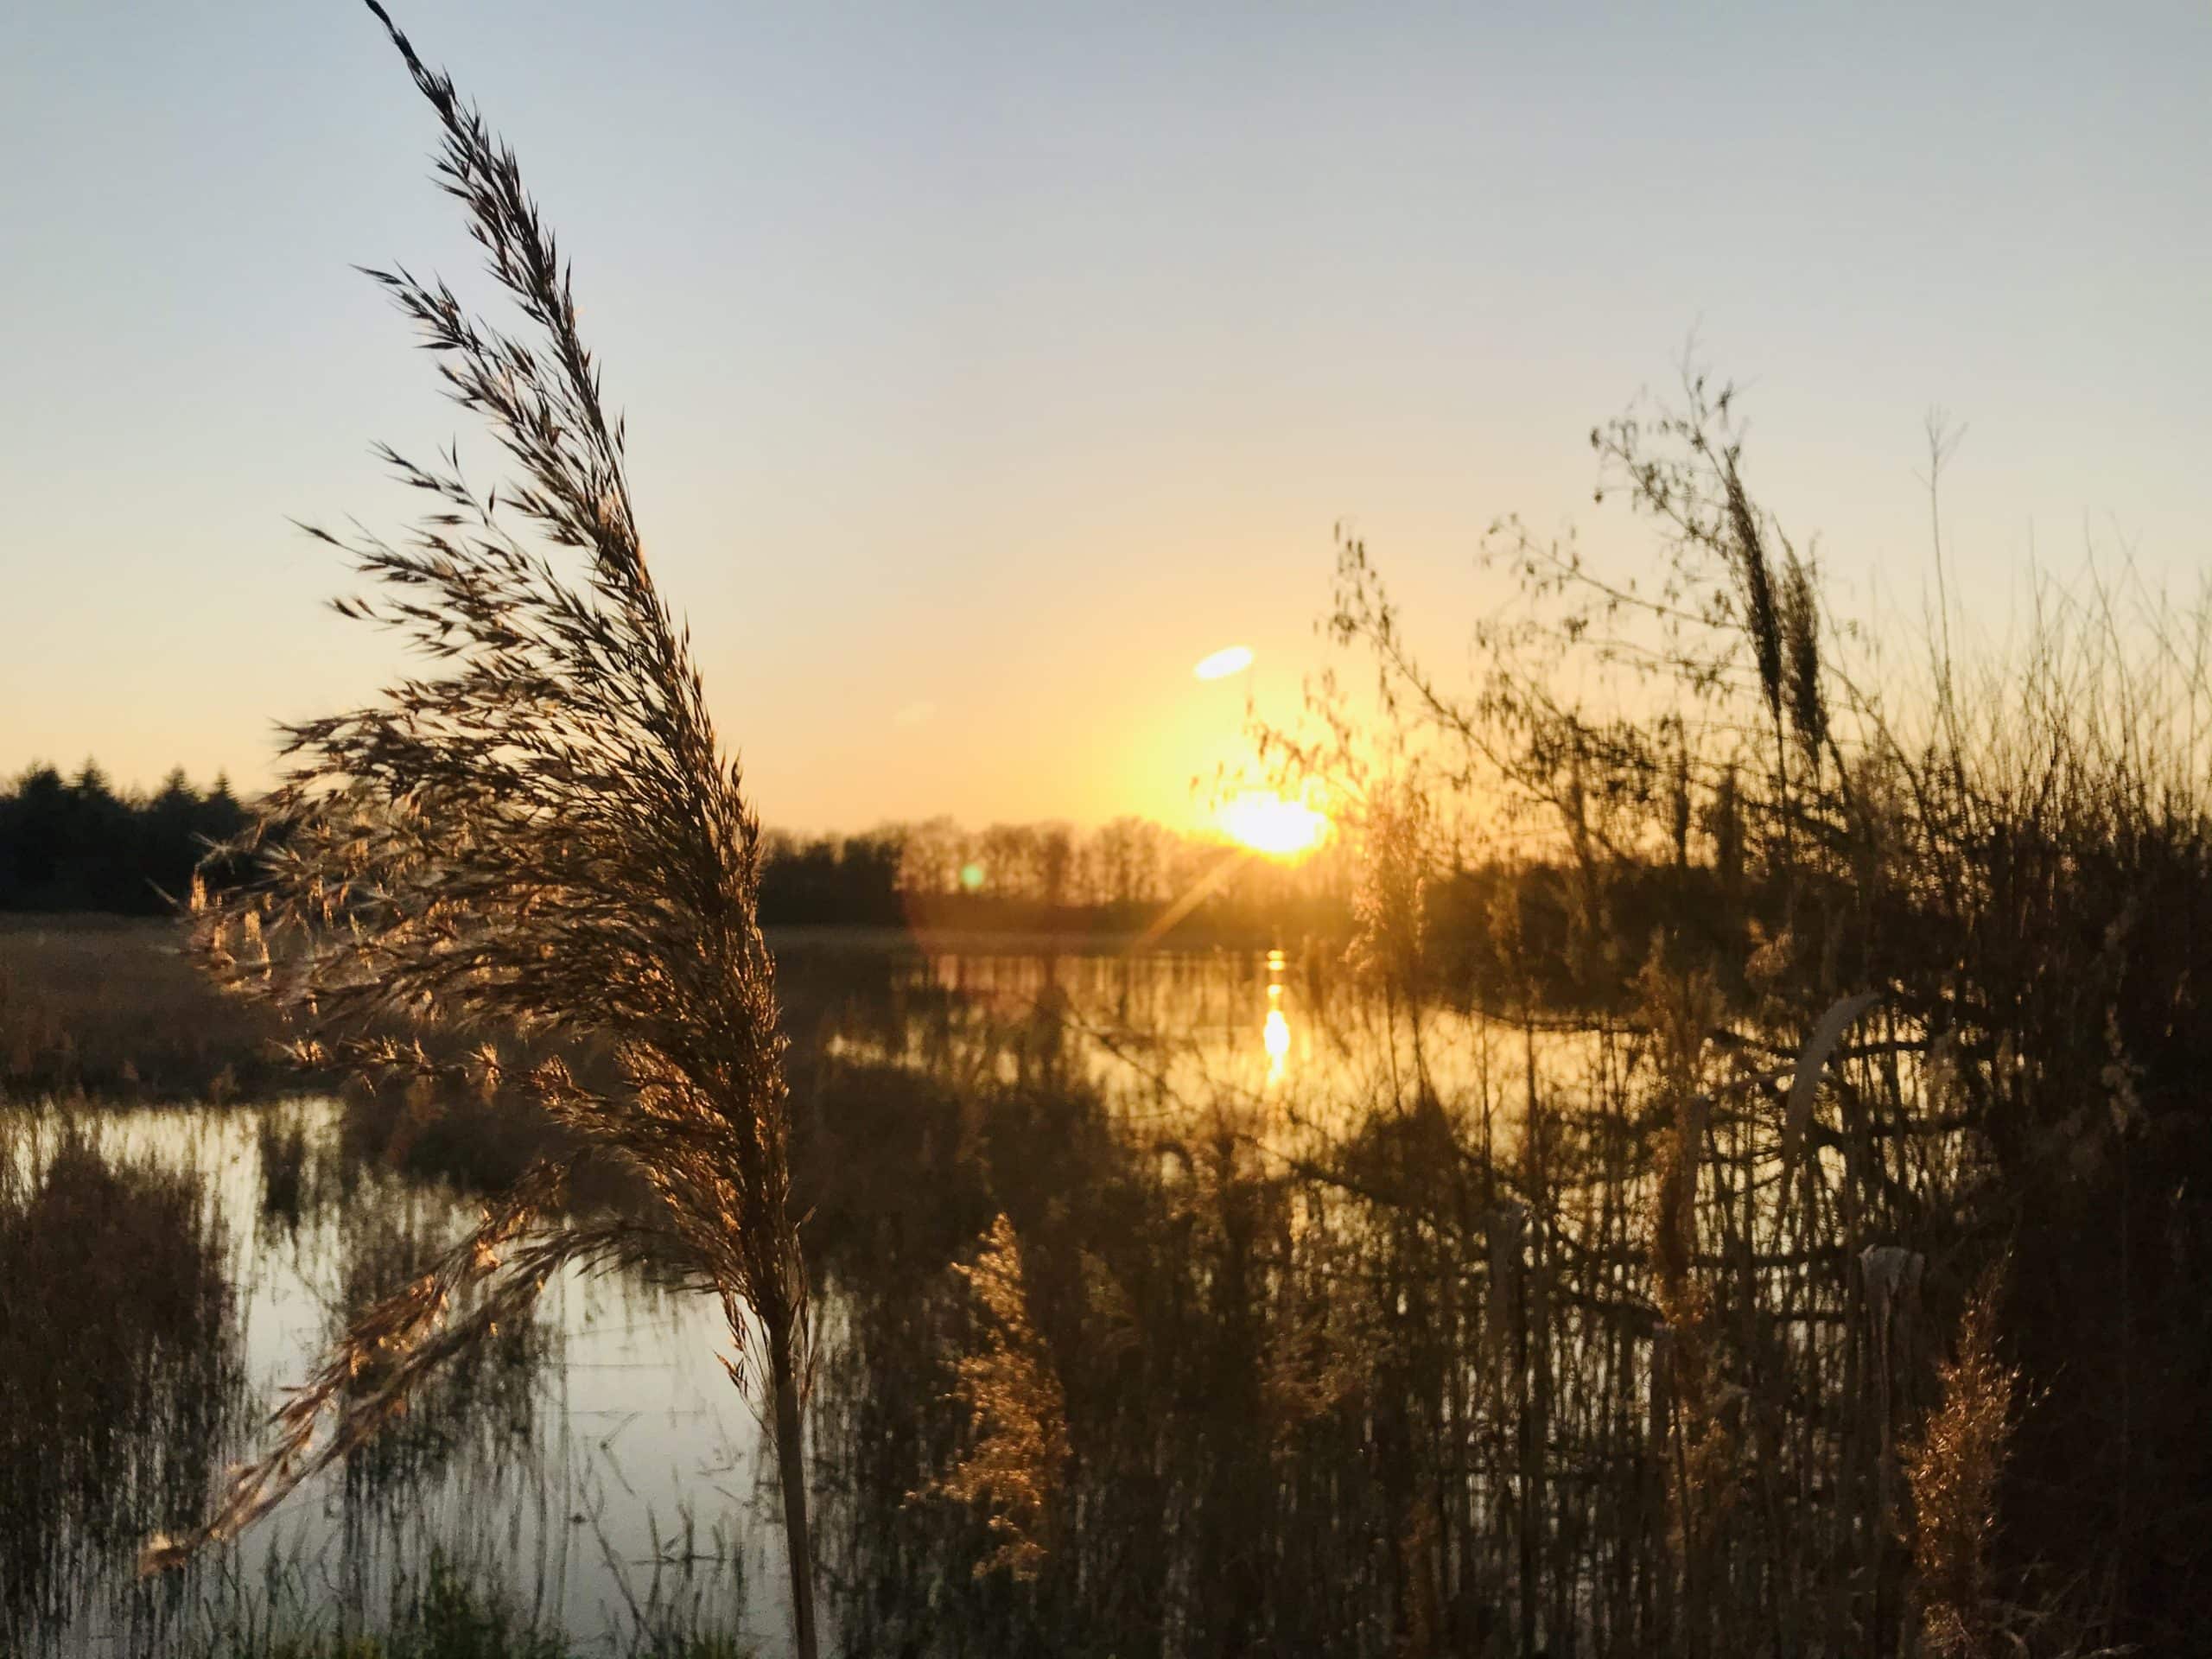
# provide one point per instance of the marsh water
(596, 1467)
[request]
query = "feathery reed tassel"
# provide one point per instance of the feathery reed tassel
(1952, 1469)
(539, 835)
(1014, 1397)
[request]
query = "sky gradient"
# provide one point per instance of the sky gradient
(988, 366)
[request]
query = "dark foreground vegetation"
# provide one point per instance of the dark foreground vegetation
(1873, 1249)
(1372, 1370)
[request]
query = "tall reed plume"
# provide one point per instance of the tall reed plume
(1953, 1470)
(539, 835)
(1019, 1413)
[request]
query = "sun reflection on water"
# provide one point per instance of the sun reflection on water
(1274, 1031)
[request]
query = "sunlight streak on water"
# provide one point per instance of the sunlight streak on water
(1275, 1032)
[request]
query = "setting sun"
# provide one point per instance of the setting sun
(1268, 824)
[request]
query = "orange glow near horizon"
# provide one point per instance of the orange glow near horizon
(1268, 824)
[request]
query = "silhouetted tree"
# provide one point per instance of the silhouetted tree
(78, 845)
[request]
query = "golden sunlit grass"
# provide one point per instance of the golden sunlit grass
(1265, 822)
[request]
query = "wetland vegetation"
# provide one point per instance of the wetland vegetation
(1719, 1169)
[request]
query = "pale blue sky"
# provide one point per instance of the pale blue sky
(986, 366)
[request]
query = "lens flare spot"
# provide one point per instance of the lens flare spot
(1231, 659)
(971, 876)
(1268, 824)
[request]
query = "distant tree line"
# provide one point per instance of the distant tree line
(1125, 877)
(81, 844)
(77, 844)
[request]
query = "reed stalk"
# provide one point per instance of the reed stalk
(537, 836)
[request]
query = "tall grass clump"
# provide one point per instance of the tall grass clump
(1949, 902)
(536, 836)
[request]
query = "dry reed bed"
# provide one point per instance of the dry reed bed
(1407, 1396)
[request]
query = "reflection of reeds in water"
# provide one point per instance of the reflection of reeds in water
(120, 1365)
(441, 1611)
(281, 1138)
